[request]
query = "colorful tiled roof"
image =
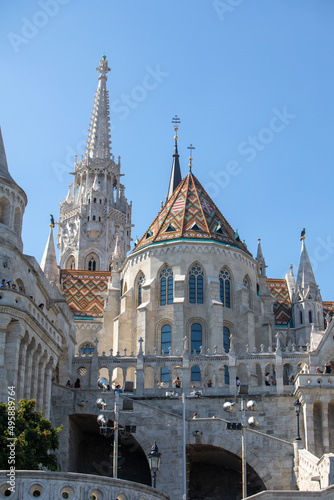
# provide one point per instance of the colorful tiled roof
(83, 291)
(282, 305)
(190, 214)
(328, 308)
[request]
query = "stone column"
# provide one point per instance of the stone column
(35, 371)
(140, 373)
(308, 426)
(41, 382)
(22, 365)
(4, 321)
(47, 388)
(325, 428)
(28, 369)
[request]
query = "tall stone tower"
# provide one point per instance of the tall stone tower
(95, 212)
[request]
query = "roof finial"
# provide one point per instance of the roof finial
(191, 147)
(302, 234)
(176, 121)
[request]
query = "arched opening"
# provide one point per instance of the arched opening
(216, 473)
(196, 337)
(117, 377)
(92, 453)
(92, 262)
(166, 286)
(225, 288)
(288, 376)
(4, 211)
(196, 295)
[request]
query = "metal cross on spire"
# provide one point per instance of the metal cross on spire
(176, 121)
(191, 147)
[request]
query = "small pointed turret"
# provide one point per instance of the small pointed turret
(175, 176)
(260, 259)
(4, 172)
(305, 277)
(49, 260)
(98, 144)
(12, 205)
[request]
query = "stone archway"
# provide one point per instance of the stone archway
(215, 473)
(91, 453)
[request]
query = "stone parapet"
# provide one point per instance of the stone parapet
(59, 485)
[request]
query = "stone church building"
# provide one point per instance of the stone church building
(184, 319)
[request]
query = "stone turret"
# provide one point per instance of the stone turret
(306, 299)
(49, 259)
(95, 208)
(13, 201)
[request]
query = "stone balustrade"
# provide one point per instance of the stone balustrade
(144, 370)
(61, 485)
(24, 303)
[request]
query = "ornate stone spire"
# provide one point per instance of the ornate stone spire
(98, 144)
(175, 176)
(49, 260)
(260, 259)
(95, 208)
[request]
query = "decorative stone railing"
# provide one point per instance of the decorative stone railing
(315, 380)
(24, 304)
(47, 485)
(146, 369)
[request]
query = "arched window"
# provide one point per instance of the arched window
(225, 288)
(226, 375)
(141, 281)
(70, 263)
(195, 373)
(226, 339)
(196, 337)
(310, 317)
(166, 338)
(166, 286)
(166, 342)
(301, 317)
(196, 285)
(92, 264)
(4, 211)
(94, 217)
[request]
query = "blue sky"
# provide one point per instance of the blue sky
(251, 81)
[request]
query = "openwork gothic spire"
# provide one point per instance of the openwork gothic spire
(98, 144)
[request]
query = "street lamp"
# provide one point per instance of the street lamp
(297, 405)
(103, 420)
(253, 422)
(154, 460)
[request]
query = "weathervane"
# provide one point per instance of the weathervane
(191, 147)
(176, 121)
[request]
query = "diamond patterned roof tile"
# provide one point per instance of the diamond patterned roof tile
(193, 215)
